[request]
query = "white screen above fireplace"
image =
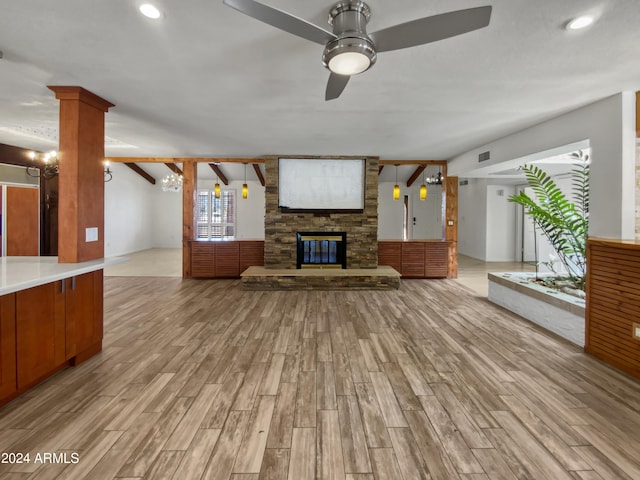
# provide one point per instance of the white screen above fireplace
(321, 184)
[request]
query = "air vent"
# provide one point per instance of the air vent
(464, 182)
(484, 156)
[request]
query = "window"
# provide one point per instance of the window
(216, 217)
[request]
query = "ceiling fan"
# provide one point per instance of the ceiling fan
(349, 50)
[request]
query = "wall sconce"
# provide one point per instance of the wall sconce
(396, 187)
(245, 188)
(50, 168)
(108, 175)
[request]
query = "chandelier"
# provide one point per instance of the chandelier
(49, 169)
(435, 179)
(172, 183)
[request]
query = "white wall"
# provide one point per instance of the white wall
(127, 213)
(250, 211)
(428, 213)
(609, 125)
(472, 219)
(166, 218)
(500, 225)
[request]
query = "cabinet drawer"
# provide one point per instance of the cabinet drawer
(436, 263)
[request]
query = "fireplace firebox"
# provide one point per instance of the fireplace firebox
(321, 250)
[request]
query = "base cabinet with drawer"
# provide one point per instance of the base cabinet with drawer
(415, 259)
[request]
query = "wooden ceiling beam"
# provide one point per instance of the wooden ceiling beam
(174, 168)
(219, 173)
(380, 167)
(415, 174)
(183, 159)
(141, 172)
(256, 168)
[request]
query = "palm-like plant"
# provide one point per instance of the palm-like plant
(565, 224)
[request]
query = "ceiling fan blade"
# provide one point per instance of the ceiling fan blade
(335, 86)
(431, 29)
(282, 20)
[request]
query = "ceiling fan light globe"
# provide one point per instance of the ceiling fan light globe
(349, 55)
(349, 63)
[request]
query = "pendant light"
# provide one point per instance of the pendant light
(216, 187)
(396, 187)
(423, 188)
(245, 188)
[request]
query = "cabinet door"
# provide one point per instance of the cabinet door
(40, 331)
(23, 220)
(227, 259)
(390, 254)
(436, 259)
(251, 254)
(413, 259)
(202, 260)
(83, 312)
(8, 383)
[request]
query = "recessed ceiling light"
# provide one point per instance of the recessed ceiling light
(580, 22)
(149, 11)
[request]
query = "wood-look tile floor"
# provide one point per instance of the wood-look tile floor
(202, 380)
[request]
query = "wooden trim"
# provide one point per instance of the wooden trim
(414, 176)
(141, 172)
(17, 156)
(174, 168)
(256, 168)
(183, 159)
(219, 173)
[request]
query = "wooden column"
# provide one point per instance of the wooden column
(638, 114)
(189, 190)
(451, 225)
(81, 177)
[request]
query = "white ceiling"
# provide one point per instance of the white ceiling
(206, 80)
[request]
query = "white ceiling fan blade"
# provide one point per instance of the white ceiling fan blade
(431, 29)
(282, 20)
(335, 86)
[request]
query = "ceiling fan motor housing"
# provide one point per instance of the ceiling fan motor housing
(349, 21)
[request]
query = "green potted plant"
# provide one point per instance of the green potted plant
(564, 223)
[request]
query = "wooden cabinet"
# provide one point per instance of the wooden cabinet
(83, 313)
(436, 259)
(225, 259)
(8, 384)
(202, 260)
(415, 259)
(44, 328)
(40, 332)
(390, 254)
(251, 253)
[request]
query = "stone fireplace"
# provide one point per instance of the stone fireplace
(281, 228)
(321, 250)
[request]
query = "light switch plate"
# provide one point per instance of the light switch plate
(91, 234)
(636, 331)
(450, 223)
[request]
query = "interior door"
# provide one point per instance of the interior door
(22, 210)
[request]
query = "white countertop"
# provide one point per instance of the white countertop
(20, 273)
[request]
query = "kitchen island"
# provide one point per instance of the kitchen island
(50, 317)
